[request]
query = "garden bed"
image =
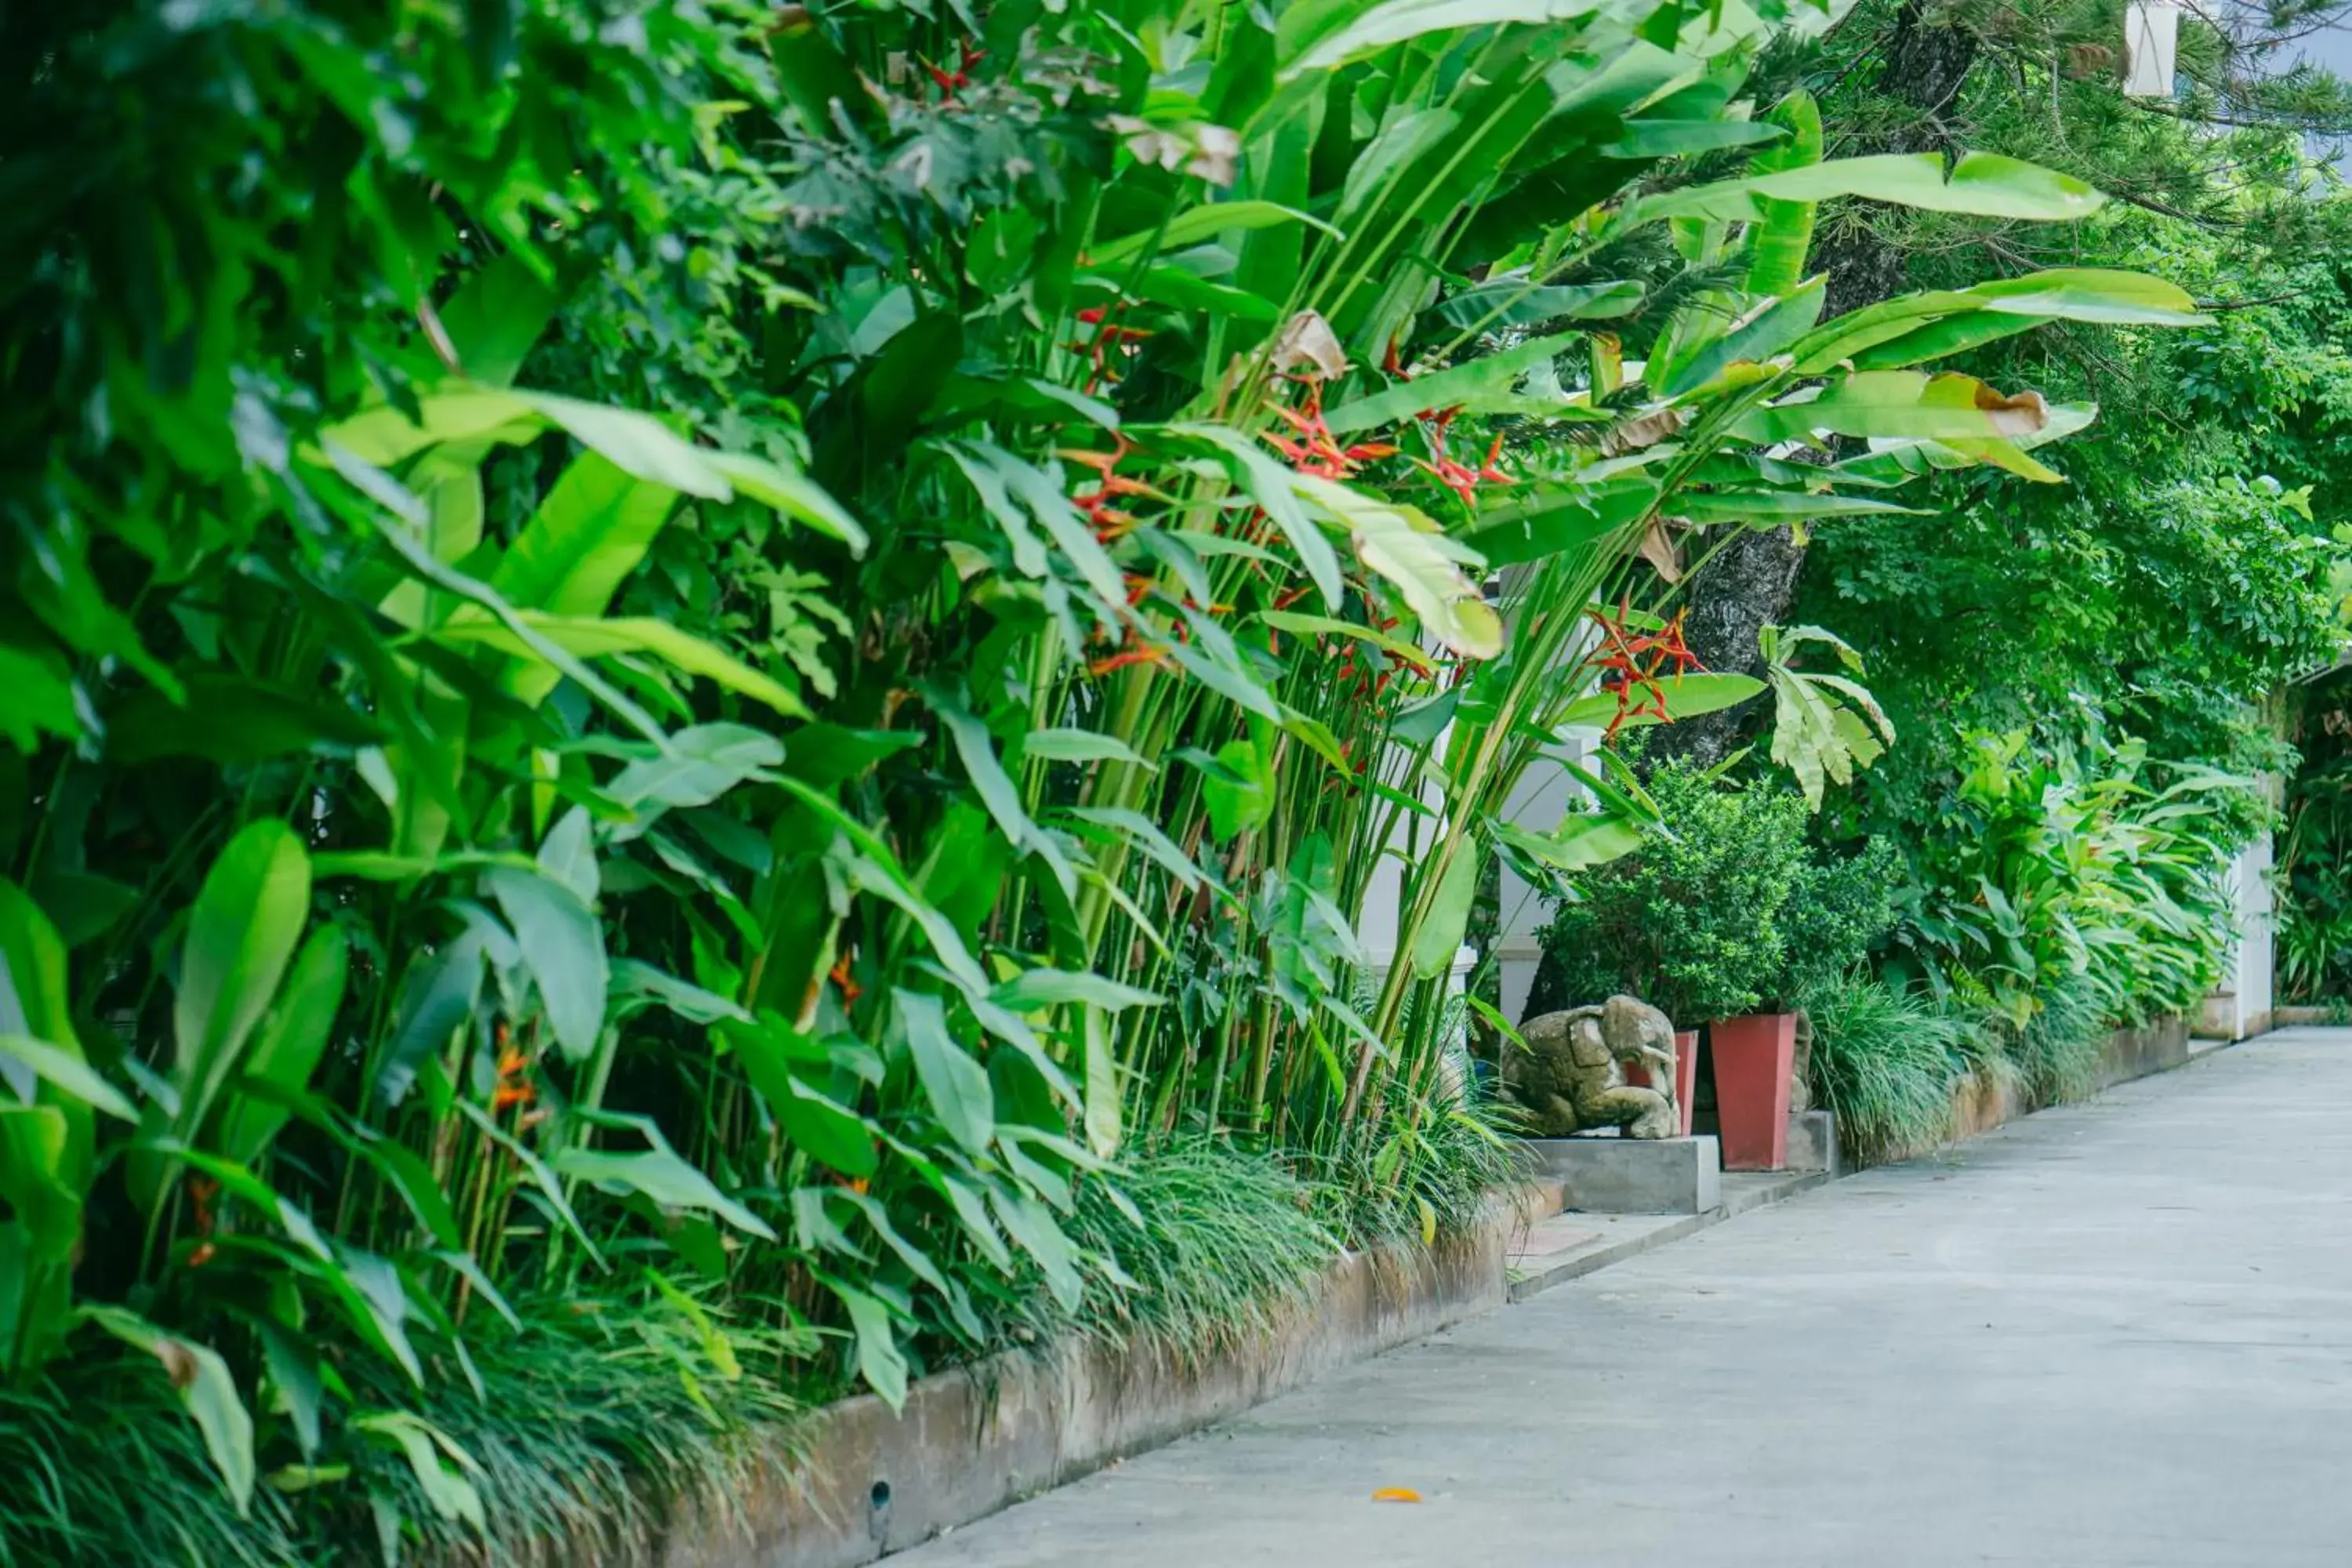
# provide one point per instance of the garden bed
(1980, 1103)
(976, 1439)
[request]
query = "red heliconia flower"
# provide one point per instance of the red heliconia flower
(1134, 652)
(1633, 665)
(950, 82)
(839, 974)
(1107, 520)
(514, 1085)
(1107, 338)
(1317, 451)
(1459, 477)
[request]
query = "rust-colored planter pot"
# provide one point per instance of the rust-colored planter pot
(1755, 1062)
(1686, 1078)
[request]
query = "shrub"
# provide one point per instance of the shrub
(1839, 908)
(1691, 922)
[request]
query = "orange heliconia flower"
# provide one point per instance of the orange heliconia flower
(514, 1085)
(839, 974)
(1634, 664)
(1317, 451)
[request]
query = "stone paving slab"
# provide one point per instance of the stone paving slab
(2113, 1335)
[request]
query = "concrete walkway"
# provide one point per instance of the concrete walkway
(2115, 1334)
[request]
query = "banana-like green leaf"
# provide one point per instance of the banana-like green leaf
(2091, 294)
(1268, 483)
(1033, 990)
(242, 932)
(35, 1001)
(1146, 835)
(1494, 306)
(2012, 305)
(1081, 746)
(1241, 794)
(1685, 697)
(1583, 840)
(1771, 327)
(1440, 935)
(1901, 404)
(1400, 544)
(1194, 225)
(1767, 507)
(1103, 1118)
(592, 636)
(953, 1080)
(1648, 137)
(288, 1045)
(587, 536)
(657, 1172)
(1980, 185)
(385, 436)
(1322, 33)
(1169, 284)
(877, 871)
(563, 946)
(1553, 518)
(1466, 385)
(976, 749)
(1779, 242)
(775, 1055)
(791, 492)
(68, 1072)
(495, 317)
(880, 1359)
(1395, 646)
(443, 1481)
(201, 1380)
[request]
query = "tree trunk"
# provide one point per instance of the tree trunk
(1749, 584)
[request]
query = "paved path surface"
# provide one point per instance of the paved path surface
(2116, 1333)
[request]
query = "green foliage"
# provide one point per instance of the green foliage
(2094, 879)
(2055, 1054)
(1221, 1245)
(595, 1417)
(2192, 567)
(720, 652)
(1839, 908)
(2311, 879)
(1887, 1062)
(1691, 922)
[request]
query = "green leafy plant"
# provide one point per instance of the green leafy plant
(1886, 1063)
(1691, 922)
(2078, 873)
(761, 659)
(1839, 908)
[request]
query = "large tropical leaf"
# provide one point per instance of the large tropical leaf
(1980, 185)
(1400, 544)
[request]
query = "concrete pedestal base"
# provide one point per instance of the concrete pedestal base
(1634, 1175)
(1813, 1143)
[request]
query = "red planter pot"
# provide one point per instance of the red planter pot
(1755, 1062)
(1685, 1076)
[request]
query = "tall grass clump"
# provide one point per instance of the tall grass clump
(1218, 1244)
(2056, 1053)
(1434, 1179)
(1885, 1061)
